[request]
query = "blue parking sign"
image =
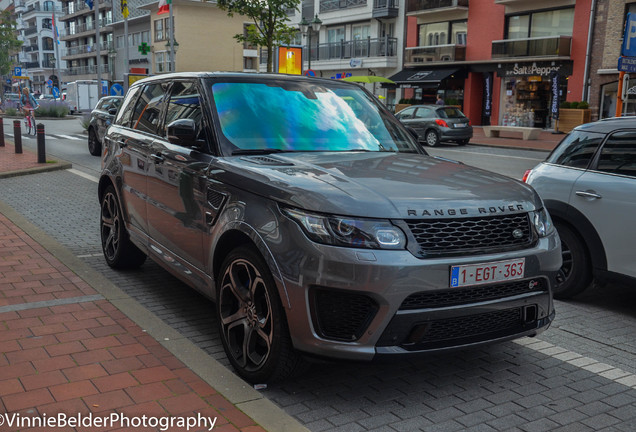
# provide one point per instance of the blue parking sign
(17, 71)
(629, 39)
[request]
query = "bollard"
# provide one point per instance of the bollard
(41, 147)
(1, 132)
(17, 136)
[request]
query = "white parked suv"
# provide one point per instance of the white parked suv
(588, 184)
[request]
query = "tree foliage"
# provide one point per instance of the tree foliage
(9, 42)
(269, 22)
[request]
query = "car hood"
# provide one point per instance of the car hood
(378, 184)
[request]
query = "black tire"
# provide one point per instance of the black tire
(575, 275)
(252, 321)
(463, 142)
(431, 138)
(119, 251)
(94, 146)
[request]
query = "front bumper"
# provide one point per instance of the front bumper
(349, 303)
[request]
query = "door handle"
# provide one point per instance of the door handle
(587, 194)
(157, 158)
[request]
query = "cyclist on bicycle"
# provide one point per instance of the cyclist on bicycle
(29, 104)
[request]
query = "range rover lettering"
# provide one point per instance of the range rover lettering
(317, 224)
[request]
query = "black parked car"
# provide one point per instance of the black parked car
(101, 117)
(435, 123)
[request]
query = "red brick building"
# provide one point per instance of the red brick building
(496, 58)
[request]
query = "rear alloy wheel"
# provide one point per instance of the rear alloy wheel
(431, 138)
(252, 321)
(119, 251)
(94, 146)
(575, 274)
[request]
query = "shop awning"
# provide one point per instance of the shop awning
(422, 77)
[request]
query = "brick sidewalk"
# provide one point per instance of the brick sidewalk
(65, 350)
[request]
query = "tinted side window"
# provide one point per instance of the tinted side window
(148, 108)
(576, 150)
(406, 113)
(184, 103)
(125, 114)
(618, 155)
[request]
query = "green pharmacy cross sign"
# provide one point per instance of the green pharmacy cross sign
(144, 48)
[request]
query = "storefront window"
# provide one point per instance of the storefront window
(525, 102)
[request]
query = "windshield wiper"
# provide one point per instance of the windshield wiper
(262, 151)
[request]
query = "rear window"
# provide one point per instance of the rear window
(450, 112)
(576, 149)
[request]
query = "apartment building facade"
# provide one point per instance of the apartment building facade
(608, 27)
(80, 37)
(495, 58)
(355, 37)
(39, 56)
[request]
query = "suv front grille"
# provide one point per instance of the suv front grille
(459, 296)
(476, 235)
(342, 315)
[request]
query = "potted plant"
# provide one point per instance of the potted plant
(572, 114)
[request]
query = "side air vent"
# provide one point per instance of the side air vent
(215, 199)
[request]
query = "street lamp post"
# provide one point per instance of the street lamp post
(307, 28)
(173, 51)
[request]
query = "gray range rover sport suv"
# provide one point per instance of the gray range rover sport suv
(317, 224)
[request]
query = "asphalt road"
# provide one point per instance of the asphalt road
(580, 375)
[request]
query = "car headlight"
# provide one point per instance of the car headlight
(542, 222)
(348, 232)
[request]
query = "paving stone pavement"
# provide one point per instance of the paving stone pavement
(580, 375)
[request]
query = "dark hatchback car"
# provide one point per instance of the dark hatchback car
(317, 223)
(101, 117)
(434, 124)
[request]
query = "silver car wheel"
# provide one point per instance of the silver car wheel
(110, 226)
(246, 314)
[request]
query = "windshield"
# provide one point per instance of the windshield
(297, 115)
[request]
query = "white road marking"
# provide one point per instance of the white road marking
(83, 174)
(70, 137)
(575, 359)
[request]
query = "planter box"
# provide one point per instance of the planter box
(400, 107)
(571, 118)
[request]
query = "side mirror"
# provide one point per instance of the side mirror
(112, 111)
(182, 132)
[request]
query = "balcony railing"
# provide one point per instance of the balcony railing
(386, 8)
(86, 49)
(551, 46)
(334, 5)
(86, 70)
(29, 48)
(434, 53)
(381, 47)
(32, 65)
(30, 31)
(427, 5)
(81, 28)
(80, 6)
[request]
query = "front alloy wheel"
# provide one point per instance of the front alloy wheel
(118, 250)
(94, 146)
(251, 319)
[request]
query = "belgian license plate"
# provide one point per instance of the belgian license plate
(484, 273)
(460, 125)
